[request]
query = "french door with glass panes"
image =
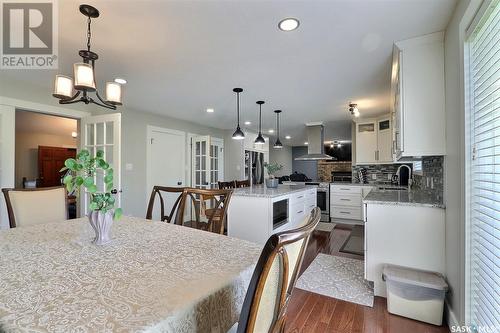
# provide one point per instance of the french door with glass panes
(103, 133)
(207, 161)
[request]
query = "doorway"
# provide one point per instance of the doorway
(42, 144)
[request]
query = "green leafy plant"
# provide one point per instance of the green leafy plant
(81, 171)
(272, 168)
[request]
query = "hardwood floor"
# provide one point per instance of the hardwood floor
(310, 312)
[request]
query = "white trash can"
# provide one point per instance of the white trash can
(415, 294)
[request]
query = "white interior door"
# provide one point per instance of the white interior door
(166, 163)
(216, 161)
(207, 161)
(7, 156)
(103, 133)
(201, 162)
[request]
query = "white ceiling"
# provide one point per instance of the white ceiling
(181, 57)
(44, 124)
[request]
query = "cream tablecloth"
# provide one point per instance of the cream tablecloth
(153, 277)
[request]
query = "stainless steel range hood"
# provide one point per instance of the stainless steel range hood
(315, 148)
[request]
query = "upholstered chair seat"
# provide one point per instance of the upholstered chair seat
(35, 206)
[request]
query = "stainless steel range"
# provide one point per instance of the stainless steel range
(323, 199)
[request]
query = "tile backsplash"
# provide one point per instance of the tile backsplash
(377, 174)
(430, 178)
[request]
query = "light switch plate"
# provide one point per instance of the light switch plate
(129, 167)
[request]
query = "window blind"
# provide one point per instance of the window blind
(484, 176)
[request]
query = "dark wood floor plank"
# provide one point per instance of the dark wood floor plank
(310, 312)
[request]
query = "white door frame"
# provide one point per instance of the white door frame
(8, 106)
(150, 129)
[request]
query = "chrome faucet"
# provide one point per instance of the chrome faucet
(410, 178)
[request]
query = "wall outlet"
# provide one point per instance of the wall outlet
(129, 166)
(389, 176)
(374, 176)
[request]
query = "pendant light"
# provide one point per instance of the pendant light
(278, 144)
(260, 139)
(84, 76)
(238, 134)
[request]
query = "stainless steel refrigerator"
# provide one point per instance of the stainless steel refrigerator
(254, 167)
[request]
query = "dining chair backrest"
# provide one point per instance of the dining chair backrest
(226, 185)
(210, 208)
(35, 205)
(242, 183)
(175, 212)
(274, 278)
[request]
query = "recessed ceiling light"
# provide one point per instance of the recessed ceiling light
(306, 143)
(271, 131)
(248, 123)
(288, 137)
(288, 24)
(210, 110)
(120, 80)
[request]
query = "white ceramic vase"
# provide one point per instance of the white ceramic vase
(101, 223)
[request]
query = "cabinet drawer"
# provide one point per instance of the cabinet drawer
(309, 205)
(346, 189)
(297, 197)
(297, 209)
(345, 200)
(353, 213)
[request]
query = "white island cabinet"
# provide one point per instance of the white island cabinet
(255, 213)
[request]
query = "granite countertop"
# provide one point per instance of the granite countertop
(261, 191)
(405, 198)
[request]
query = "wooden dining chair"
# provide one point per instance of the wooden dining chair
(226, 185)
(176, 211)
(242, 183)
(274, 278)
(29, 206)
(210, 207)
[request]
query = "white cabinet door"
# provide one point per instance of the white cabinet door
(7, 156)
(103, 133)
(384, 140)
(366, 142)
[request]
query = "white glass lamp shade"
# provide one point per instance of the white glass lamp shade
(63, 87)
(84, 76)
(114, 93)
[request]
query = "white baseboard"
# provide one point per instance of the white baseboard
(450, 317)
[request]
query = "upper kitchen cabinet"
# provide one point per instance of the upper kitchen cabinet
(418, 100)
(373, 141)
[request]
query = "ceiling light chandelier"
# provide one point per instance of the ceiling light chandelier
(278, 143)
(260, 139)
(238, 134)
(353, 109)
(84, 75)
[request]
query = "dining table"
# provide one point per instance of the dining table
(152, 277)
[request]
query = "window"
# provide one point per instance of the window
(483, 113)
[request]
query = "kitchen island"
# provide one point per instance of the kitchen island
(257, 212)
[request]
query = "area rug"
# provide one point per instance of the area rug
(324, 226)
(355, 244)
(337, 277)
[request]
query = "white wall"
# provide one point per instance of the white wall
(134, 133)
(282, 156)
(455, 159)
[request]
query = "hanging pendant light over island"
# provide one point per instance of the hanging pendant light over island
(238, 134)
